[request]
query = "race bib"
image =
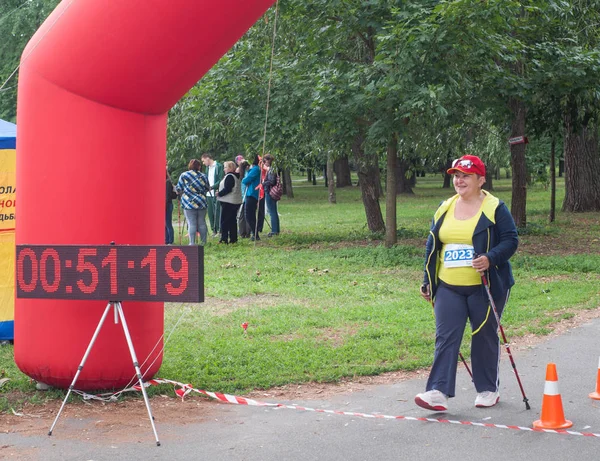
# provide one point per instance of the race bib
(458, 255)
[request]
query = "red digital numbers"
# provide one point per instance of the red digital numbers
(22, 284)
(47, 254)
(111, 262)
(84, 266)
(181, 274)
(111, 272)
(150, 261)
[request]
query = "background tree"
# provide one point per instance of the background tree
(350, 78)
(18, 21)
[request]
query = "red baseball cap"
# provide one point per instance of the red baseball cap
(468, 164)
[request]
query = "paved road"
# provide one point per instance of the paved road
(235, 432)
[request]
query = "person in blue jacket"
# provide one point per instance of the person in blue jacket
(250, 192)
(472, 233)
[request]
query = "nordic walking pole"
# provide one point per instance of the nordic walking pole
(459, 353)
(512, 361)
(466, 366)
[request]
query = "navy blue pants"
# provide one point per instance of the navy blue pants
(454, 305)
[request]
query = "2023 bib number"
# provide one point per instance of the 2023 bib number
(458, 256)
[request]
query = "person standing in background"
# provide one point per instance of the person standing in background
(243, 227)
(192, 186)
(251, 184)
(214, 172)
(260, 220)
(230, 196)
(238, 161)
(270, 181)
(171, 194)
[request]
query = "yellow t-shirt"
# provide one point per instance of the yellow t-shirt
(456, 236)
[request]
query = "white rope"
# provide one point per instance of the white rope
(267, 111)
(270, 76)
(26, 2)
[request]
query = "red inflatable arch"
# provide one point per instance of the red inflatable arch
(96, 82)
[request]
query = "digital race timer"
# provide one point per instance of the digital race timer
(111, 272)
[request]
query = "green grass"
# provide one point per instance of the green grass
(326, 300)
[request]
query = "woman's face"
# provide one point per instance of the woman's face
(467, 185)
(229, 169)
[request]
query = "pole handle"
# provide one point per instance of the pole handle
(483, 276)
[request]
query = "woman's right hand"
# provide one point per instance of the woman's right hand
(425, 293)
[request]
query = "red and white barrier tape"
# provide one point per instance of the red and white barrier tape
(182, 390)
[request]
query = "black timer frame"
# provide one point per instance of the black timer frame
(28, 289)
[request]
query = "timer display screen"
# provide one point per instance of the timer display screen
(111, 272)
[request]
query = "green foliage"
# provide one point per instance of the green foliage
(398, 256)
(574, 264)
(19, 19)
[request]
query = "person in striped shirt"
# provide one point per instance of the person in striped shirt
(192, 187)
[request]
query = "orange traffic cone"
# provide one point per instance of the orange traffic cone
(596, 395)
(552, 416)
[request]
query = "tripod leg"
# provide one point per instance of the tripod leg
(83, 360)
(137, 367)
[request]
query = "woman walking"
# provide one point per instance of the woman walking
(472, 233)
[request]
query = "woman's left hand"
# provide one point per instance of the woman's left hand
(481, 264)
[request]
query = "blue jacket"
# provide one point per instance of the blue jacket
(495, 236)
(251, 182)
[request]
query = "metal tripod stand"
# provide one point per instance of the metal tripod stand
(118, 311)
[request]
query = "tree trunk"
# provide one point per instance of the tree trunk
(561, 167)
(552, 179)
(341, 168)
(489, 179)
(377, 178)
(287, 183)
(447, 177)
(582, 168)
(391, 237)
(412, 180)
(403, 184)
(330, 184)
(518, 166)
(368, 179)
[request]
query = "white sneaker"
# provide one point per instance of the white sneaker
(433, 400)
(487, 399)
